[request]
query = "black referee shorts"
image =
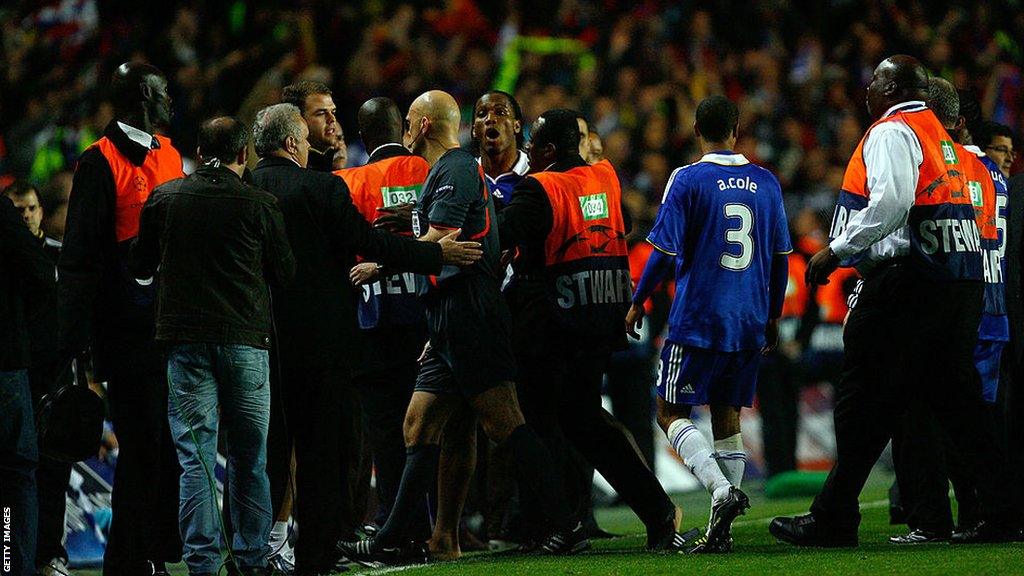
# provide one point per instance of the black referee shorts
(470, 350)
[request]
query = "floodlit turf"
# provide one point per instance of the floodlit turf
(756, 551)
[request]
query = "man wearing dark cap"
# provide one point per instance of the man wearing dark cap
(103, 307)
(906, 222)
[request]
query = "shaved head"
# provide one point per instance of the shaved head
(440, 108)
(139, 94)
(432, 122)
(380, 122)
(896, 79)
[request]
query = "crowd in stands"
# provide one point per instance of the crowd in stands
(798, 71)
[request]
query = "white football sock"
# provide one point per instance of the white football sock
(278, 537)
(696, 453)
(731, 458)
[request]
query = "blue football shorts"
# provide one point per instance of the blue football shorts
(693, 376)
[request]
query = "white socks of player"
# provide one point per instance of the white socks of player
(279, 541)
(696, 452)
(731, 458)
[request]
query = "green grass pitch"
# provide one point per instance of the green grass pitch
(756, 551)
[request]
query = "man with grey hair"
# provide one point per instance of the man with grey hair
(316, 323)
(218, 242)
(925, 459)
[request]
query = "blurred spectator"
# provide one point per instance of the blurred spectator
(26, 283)
(44, 376)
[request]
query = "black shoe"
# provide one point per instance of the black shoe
(806, 531)
(566, 541)
(719, 525)
(984, 532)
(724, 545)
(672, 541)
(704, 546)
(919, 536)
(372, 554)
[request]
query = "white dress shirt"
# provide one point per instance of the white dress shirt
(140, 137)
(892, 158)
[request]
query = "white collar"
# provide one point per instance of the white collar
(974, 150)
(522, 166)
(725, 159)
(911, 105)
(140, 137)
(385, 146)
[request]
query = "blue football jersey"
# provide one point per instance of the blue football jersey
(996, 326)
(501, 187)
(722, 218)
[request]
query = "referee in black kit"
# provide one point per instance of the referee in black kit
(468, 358)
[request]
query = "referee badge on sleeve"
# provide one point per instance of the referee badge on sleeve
(418, 224)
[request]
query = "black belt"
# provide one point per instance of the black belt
(884, 265)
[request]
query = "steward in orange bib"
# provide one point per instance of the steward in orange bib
(924, 468)
(906, 222)
(102, 305)
(569, 299)
(393, 326)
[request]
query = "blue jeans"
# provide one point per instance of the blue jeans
(19, 456)
(200, 378)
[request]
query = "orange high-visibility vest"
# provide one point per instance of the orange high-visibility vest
(382, 184)
(945, 242)
(982, 192)
(134, 183)
(586, 256)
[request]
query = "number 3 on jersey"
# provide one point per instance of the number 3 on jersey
(739, 236)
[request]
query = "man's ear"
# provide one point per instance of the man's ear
(517, 128)
(696, 131)
(736, 131)
(243, 156)
(146, 91)
(961, 123)
(890, 88)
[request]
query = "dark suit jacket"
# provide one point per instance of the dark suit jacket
(1014, 259)
(26, 284)
(315, 317)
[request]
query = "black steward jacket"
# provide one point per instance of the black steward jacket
(26, 285)
(99, 302)
(524, 224)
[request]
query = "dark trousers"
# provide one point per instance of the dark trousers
(561, 400)
(52, 477)
(1012, 396)
(357, 459)
(385, 397)
(778, 393)
(18, 459)
(908, 337)
(313, 416)
(926, 461)
(631, 390)
(144, 505)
